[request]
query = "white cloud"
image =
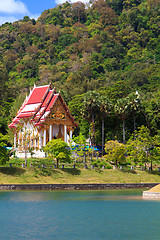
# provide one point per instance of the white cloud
(35, 16)
(9, 19)
(12, 6)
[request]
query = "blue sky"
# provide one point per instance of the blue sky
(13, 10)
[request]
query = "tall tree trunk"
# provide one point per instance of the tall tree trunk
(145, 166)
(116, 163)
(93, 117)
(124, 140)
(57, 162)
(102, 134)
(134, 122)
(93, 133)
(85, 157)
(151, 166)
(90, 135)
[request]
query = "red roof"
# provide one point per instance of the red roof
(50, 105)
(38, 105)
(38, 94)
(12, 125)
(47, 98)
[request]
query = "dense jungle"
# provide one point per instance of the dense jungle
(104, 58)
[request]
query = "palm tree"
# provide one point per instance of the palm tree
(121, 110)
(91, 105)
(134, 106)
(105, 109)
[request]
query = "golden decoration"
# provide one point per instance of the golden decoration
(58, 114)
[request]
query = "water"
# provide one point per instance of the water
(81, 215)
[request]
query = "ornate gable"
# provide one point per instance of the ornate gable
(59, 114)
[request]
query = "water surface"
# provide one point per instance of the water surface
(76, 215)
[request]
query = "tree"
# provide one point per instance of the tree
(134, 105)
(105, 108)
(75, 106)
(4, 155)
(141, 149)
(3, 80)
(121, 110)
(58, 149)
(27, 144)
(152, 113)
(153, 3)
(91, 105)
(155, 151)
(117, 5)
(115, 152)
(26, 141)
(78, 11)
(80, 148)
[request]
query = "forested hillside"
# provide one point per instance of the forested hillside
(98, 55)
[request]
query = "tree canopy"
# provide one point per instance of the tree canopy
(4, 154)
(58, 149)
(108, 48)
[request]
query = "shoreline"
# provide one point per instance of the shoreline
(151, 195)
(94, 186)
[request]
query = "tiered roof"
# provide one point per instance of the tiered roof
(37, 106)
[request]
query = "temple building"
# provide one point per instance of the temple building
(42, 117)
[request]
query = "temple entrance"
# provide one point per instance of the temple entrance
(47, 136)
(60, 131)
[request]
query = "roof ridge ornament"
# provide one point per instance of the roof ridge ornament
(54, 90)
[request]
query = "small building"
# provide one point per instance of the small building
(42, 117)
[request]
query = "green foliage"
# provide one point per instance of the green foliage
(4, 154)
(141, 147)
(80, 147)
(100, 164)
(115, 152)
(152, 106)
(58, 149)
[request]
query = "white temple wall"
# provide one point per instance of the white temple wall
(37, 154)
(37, 139)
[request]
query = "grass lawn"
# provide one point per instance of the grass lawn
(13, 175)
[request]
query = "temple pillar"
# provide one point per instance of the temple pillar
(19, 143)
(44, 138)
(40, 141)
(22, 142)
(15, 140)
(65, 133)
(35, 143)
(71, 135)
(50, 133)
